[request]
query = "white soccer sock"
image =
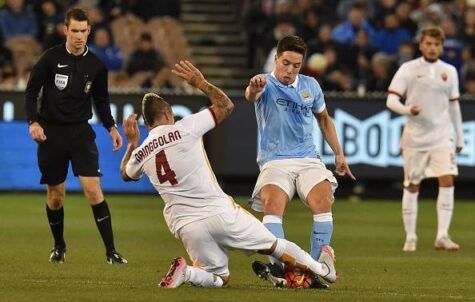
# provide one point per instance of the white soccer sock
(445, 207)
(202, 278)
(290, 253)
(409, 213)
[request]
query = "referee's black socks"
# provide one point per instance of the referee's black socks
(102, 216)
(56, 223)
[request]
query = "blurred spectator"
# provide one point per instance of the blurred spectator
(391, 35)
(6, 63)
(467, 71)
(380, 78)
(17, 20)
(316, 66)
(322, 41)
(406, 52)
(311, 24)
(145, 61)
(336, 78)
(453, 46)
(357, 57)
(97, 20)
(106, 50)
(468, 28)
(345, 33)
(382, 9)
(428, 14)
(344, 6)
(56, 37)
(403, 11)
(51, 17)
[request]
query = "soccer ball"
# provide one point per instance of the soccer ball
(296, 277)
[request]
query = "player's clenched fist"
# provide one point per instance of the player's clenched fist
(257, 83)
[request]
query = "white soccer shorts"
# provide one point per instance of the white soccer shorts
(426, 164)
(208, 241)
(296, 174)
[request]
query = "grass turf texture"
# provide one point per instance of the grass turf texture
(368, 239)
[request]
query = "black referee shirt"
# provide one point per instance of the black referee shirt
(65, 86)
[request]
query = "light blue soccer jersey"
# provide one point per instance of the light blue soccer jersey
(285, 119)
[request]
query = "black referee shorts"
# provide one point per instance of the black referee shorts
(65, 143)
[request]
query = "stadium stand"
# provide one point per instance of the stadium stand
(358, 44)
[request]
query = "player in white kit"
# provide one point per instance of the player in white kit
(197, 211)
(431, 90)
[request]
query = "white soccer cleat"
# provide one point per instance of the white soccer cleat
(327, 258)
(410, 245)
(445, 243)
(176, 274)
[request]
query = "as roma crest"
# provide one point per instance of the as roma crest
(444, 76)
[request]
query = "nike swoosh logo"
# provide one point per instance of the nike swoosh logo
(61, 66)
(101, 219)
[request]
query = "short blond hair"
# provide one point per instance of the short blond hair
(434, 32)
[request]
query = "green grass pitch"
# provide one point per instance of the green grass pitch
(368, 239)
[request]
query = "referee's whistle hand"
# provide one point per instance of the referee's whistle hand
(116, 139)
(37, 132)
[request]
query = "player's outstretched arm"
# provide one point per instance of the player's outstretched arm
(255, 88)
(132, 134)
(221, 106)
(327, 127)
(393, 102)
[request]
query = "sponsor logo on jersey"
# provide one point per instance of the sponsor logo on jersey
(61, 81)
(294, 107)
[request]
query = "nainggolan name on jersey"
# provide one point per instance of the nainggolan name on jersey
(155, 143)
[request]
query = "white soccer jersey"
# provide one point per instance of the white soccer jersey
(174, 159)
(430, 86)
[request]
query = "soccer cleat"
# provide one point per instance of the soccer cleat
(176, 274)
(57, 255)
(327, 258)
(410, 245)
(272, 273)
(445, 243)
(318, 284)
(115, 258)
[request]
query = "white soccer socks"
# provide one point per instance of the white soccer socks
(409, 214)
(202, 278)
(445, 207)
(290, 253)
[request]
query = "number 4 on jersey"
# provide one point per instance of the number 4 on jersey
(168, 174)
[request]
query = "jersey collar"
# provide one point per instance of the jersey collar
(84, 53)
(294, 84)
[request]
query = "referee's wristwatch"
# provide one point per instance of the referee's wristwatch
(31, 122)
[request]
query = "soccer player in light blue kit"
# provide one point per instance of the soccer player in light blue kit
(286, 104)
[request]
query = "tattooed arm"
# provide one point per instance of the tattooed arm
(221, 105)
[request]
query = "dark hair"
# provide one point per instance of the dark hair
(434, 32)
(145, 36)
(292, 43)
(77, 14)
(152, 106)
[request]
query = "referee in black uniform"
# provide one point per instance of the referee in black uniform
(63, 84)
